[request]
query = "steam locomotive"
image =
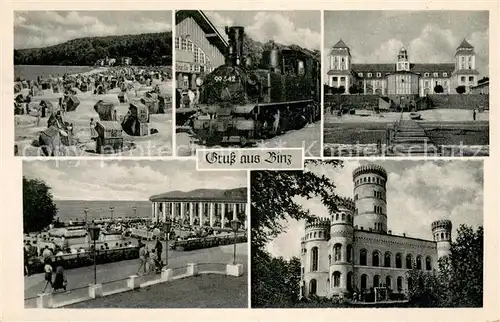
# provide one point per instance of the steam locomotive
(242, 103)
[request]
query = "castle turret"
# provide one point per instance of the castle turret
(465, 73)
(339, 74)
(340, 253)
(315, 261)
(441, 232)
(370, 198)
(403, 61)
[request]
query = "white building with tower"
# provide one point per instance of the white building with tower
(354, 251)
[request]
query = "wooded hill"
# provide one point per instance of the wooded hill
(150, 49)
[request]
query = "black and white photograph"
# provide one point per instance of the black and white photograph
(368, 234)
(406, 83)
(133, 234)
(93, 83)
(248, 79)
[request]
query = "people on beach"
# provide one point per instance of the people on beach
(143, 256)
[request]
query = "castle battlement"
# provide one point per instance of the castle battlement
(369, 168)
(345, 204)
(318, 223)
(443, 224)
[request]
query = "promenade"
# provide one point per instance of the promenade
(80, 278)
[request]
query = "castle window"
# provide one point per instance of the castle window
(364, 281)
(387, 259)
(471, 78)
(442, 235)
(408, 261)
(426, 74)
(419, 262)
(428, 263)
(337, 251)
(336, 279)
(329, 259)
(445, 74)
(349, 253)
(314, 259)
(388, 282)
(320, 234)
(379, 74)
(312, 287)
(410, 283)
(337, 217)
(376, 281)
(360, 74)
(349, 218)
(435, 74)
(362, 256)
(399, 284)
(399, 263)
(462, 79)
(369, 74)
(334, 79)
(343, 216)
(314, 235)
(375, 258)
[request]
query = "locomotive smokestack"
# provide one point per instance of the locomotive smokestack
(235, 55)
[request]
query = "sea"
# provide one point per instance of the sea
(31, 72)
(73, 209)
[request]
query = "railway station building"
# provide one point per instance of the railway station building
(199, 47)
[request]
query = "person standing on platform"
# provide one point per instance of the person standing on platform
(159, 249)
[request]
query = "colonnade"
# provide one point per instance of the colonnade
(212, 214)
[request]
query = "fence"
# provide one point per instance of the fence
(185, 245)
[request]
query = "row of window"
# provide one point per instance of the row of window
(463, 79)
(378, 210)
(370, 180)
(363, 258)
(444, 236)
(445, 83)
(317, 234)
(342, 79)
(379, 226)
(187, 45)
(336, 277)
(445, 74)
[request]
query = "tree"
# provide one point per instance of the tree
(274, 203)
(460, 89)
(39, 209)
(458, 282)
(438, 89)
(353, 89)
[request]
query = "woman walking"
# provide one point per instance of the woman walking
(48, 274)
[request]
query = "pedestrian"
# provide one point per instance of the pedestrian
(474, 114)
(142, 258)
(38, 117)
(60, 281)
(152, 261)
(159, 249)
(47, 253)
(92, 128)
(48, 274)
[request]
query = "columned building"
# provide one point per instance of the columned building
(402, 79)
(353, 250)
(202, 207)
(199, 47)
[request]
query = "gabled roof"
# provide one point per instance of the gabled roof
(205, 25)
(465, 44)
(340, 44)
(221, 195)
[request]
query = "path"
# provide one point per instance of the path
(83, 276)
(410, 140)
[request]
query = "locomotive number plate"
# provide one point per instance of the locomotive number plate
(225, 79)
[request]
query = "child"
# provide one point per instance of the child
(48, 274)
(60, 281)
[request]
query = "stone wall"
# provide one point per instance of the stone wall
(460, 101)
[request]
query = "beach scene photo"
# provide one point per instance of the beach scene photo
(406, 83)
(93, 83)
(133, 234)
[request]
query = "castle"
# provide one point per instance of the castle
(353, 250)
(402, 77)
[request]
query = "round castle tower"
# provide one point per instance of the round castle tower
(441, 232)
(315, 262)
(370, 198)
(340, 249)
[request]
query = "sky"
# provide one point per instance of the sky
(429, 36)
(302, 28)
(126, 180)
(418, 193)
(34, 29)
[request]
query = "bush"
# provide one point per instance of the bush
(460, 89)
(438, 89)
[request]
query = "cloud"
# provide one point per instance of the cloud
(280, 28)
(139, 180)
(418, 193)
(45, 28)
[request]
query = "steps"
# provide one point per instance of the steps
(410, 140)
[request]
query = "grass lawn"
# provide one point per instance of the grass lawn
(204, 291)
